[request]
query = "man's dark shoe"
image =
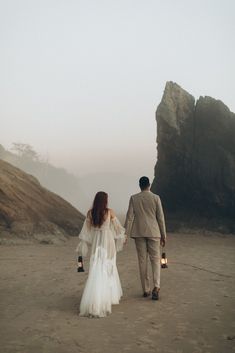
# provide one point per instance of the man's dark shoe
(155, 294)
(146, 294)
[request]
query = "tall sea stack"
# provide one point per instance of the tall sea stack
(195, 170)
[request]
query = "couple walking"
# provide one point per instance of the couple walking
(106, 236)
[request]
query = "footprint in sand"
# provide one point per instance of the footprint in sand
(146, 343)
(155, 328)
(230, 337)
(215, 318)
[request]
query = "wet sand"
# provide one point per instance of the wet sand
(40, 292)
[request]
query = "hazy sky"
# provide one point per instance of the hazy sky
(80, 80)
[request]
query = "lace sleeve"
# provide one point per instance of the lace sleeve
(84, 238)
(119, 233)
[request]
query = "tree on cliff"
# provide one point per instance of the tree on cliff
(26, 151)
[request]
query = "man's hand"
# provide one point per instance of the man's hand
(163, 242)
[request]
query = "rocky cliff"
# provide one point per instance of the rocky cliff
(55, 179)
(195, 170)
(26, 208)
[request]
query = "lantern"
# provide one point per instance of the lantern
(164, 260)
(80, 264)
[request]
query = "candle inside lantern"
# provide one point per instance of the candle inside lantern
(164, 260)
(80, 264)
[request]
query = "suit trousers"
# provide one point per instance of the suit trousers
(149, 247)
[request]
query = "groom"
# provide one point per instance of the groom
(145, 223)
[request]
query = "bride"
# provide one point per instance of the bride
(103, 231)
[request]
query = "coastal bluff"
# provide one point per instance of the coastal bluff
(27, 208)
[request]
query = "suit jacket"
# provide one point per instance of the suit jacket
(145, 216)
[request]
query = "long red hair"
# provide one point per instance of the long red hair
(99, 209)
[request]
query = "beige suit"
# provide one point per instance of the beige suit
(146, 224)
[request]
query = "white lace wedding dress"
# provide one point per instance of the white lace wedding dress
(103, 287)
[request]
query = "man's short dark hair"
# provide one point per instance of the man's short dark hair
(144, 182)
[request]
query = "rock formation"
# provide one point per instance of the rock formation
(26, 208)
(195, 170)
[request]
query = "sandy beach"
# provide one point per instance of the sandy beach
(41, 291)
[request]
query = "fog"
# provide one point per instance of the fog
(77, 190)
(81, 81)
